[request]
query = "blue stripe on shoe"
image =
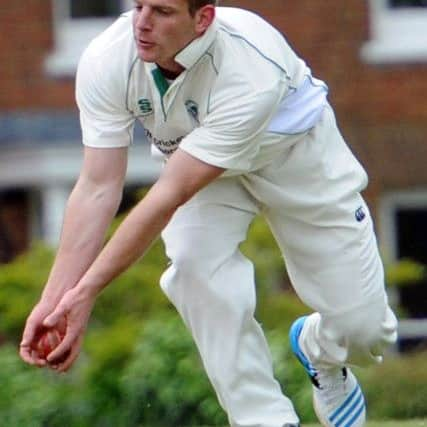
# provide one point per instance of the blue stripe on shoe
(345, 403)
(294, 335)
(356, 415)
(350, 410)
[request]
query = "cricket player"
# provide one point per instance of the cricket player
(244, 129)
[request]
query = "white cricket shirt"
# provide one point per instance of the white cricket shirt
(244, 94)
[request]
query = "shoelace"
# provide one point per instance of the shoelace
(331, 384)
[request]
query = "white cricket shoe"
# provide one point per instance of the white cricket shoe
(337, 397)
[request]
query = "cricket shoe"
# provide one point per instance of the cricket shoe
(337, 397)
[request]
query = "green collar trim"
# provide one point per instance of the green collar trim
(160, 81)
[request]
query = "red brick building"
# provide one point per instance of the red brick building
(372, 54)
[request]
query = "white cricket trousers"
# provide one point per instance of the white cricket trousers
(310, 197)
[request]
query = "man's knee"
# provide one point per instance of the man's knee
(224, 284)
(364, 327)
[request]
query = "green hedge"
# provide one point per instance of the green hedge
(161, 382)
(139, 366)
(397, 389)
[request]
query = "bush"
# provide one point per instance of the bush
(20, 285)
(135, 292)
(164, 383)
(139, 365)
(397, 388)
(32, 397)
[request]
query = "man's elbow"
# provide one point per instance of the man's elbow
(169, 198)
(106, 196)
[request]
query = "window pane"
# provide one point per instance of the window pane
(94, 8)
(412, 223)
(408, 3)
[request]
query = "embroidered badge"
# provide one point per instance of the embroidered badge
(193, 109)
(145, 107)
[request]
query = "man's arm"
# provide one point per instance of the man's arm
(90, 209)
(182, 177)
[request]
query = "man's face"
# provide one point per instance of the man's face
(162, 28)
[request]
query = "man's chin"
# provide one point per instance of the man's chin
(146, 56)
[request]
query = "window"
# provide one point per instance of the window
(14, 223)
(403, 218)
(408, 3)
(402, 227)
(397, 30)
(75, 23)
(84, 9)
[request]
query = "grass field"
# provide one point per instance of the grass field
(412, 423)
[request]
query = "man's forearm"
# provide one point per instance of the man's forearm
(88, 214)
(182, 177)
(130, 241)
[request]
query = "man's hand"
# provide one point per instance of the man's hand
(33, 329)
(76, 306)
(90, 209)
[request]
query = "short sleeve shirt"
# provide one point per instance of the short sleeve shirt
(243, 95)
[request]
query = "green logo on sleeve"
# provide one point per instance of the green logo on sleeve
(145, 107)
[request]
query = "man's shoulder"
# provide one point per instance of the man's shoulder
(114, 46)
(248, 37)
(247, 24)
(105, 66)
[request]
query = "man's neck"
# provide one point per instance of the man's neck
(168, 74)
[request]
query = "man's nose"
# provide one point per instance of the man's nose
(143, 18)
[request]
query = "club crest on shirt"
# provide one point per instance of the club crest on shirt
(193, 109)
(145, 107)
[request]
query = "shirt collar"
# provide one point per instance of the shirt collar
(188, 56)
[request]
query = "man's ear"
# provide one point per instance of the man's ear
(204, 17)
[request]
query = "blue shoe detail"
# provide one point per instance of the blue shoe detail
(356, 415)
(346, 402)
(355, 400)
(294, 334)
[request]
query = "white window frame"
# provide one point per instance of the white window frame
(71, 36)
(390, 203)
(398, 35)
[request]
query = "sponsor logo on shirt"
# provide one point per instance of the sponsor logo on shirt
(193, 109)
(166, 146)
(145, 107)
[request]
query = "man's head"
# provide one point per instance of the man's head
(162, 28)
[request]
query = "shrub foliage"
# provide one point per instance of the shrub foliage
(139, 366)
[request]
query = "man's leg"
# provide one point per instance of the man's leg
(325, 231)
(212, 286)
(354, 331)
(341, 277)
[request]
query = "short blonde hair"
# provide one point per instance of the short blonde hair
(195, 5)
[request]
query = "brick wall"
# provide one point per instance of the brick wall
(25, 40)
(381, 109)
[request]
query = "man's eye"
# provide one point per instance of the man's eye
(164, 11)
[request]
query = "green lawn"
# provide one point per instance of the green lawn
(413, 423)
